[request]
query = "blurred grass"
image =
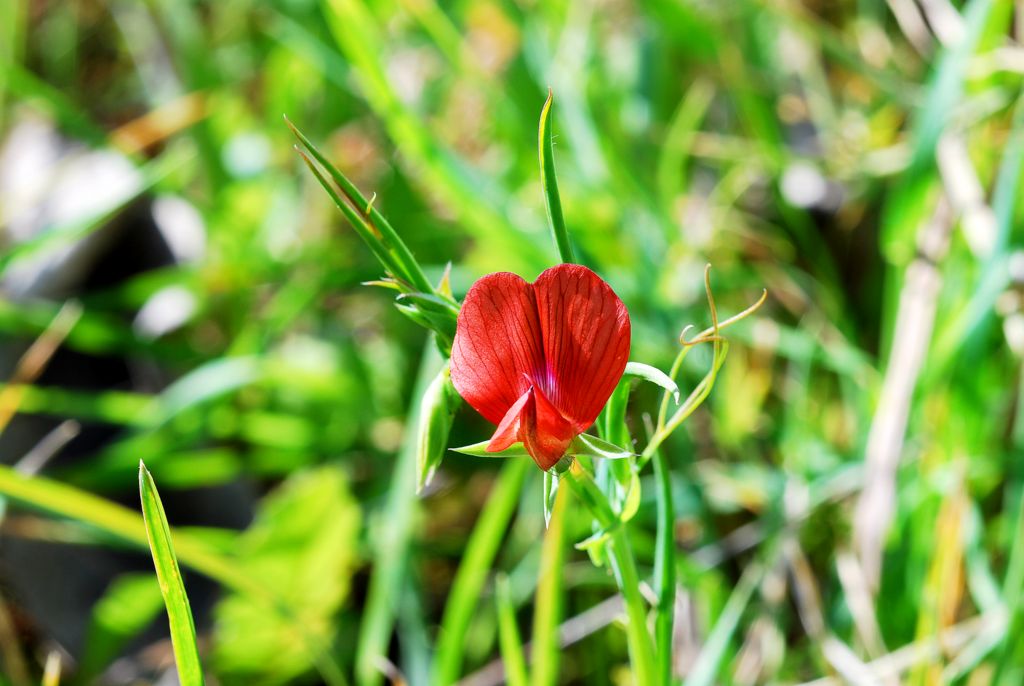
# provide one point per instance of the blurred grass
(793, 145)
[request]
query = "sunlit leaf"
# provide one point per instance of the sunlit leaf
(586, 444)
(179, 614)
(654, 375)
(480, 450)
(303, 546)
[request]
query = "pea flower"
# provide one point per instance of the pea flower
(540, 360)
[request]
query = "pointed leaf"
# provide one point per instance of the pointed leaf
(552, 201)
(585, 444)
(376, 222)
(431, 303)
(654, 375)
(596, 539)
(480, 450)
(441, 325)
(358, 222)
(179, 614)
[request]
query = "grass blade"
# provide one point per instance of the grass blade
(710, 661)
(120, 522)
(391, 552)
(508, 635)
(476, 563)
(179, 614)
(913, 197)
(548, 180)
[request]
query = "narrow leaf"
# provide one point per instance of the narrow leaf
(598, 538)
(552, 201)
(508, 635)
(390, 239)
(480, 450)
(365, 231)
(585, 444)
(654, 375)
(179, 614)
(477, 559)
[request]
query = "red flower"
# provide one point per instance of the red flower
(540, 360)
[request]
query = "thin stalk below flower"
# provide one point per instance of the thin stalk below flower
(641, 645)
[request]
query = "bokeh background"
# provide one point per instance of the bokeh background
(175, 287)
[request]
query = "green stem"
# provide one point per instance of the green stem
(549, 182)
(641, 649)
(689, 406)
(664, 569)
(638, 638)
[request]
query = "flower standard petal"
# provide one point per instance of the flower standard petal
(586, 333)
(540, 360)
(497, 344)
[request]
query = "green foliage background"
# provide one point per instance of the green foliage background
(809, 148)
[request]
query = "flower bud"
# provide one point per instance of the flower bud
(437, 410)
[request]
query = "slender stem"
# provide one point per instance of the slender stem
(689, 406)
(638, 638)
(666, 396)
(664, 569)
(641, 649)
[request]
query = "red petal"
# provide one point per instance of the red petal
(544, 431)
(497, 344)
(585, 328)
(508, 429)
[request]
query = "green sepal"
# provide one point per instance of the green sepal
(429, 302)
(480, 450)
(441, 324)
